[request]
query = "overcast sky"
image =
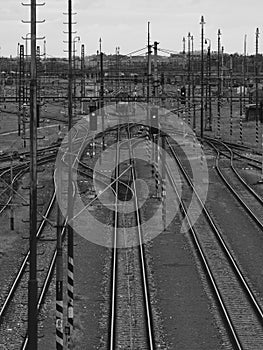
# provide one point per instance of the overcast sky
(123, 23)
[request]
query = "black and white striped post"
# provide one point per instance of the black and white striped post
(147, 137)
(240, 129)
(70, 232)
(59, 285)
(156, 178)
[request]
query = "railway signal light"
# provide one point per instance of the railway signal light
(93, 118)
(154, 117)
(183, 95)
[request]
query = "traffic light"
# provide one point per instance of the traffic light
(135, 79)
(93, 117)
(154, 117)
(183, 95)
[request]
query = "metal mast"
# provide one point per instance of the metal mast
(202, 77)
(32, 283)
(70, 284)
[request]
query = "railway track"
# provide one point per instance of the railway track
(250, 200)
(243, 153)
(238, 306)
(13, 312)
(130, 319)
(18, 172)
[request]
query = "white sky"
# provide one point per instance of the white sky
(123, 23)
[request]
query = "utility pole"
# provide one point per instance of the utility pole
(117, 70)
(20, 85)
(183, 45)
(155, 70)
(193, 84)
(32, 283)
(231, 97)
(222, 71)
(256, 81)
(209, 126)
(148, 71)
(70, 230)
(82, 74)
(202, 77)
(102, 95)
(218, 83)
(59, 283)
(244, 70)
(189, 78)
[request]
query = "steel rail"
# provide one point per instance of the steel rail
(233, 191)
(114, 254)
(143, 264)
(46, 283)
(23, 169)
(205, 261)
(23, 265)
(219, 236)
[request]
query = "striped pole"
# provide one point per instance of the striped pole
(257, 131)
(59, 286)
(148, 152)
(156, 177)
(70, 293)
(70, 248)
(240, 129)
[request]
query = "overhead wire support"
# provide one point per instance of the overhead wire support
(102, 94)
(202, 77)
(189, 78)
(256, 86)
(148, 69)
(193, 84)
(21, 88)
(231, 97)
(218, 82)
(70, 231)
(155, 69)
(33, 283)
